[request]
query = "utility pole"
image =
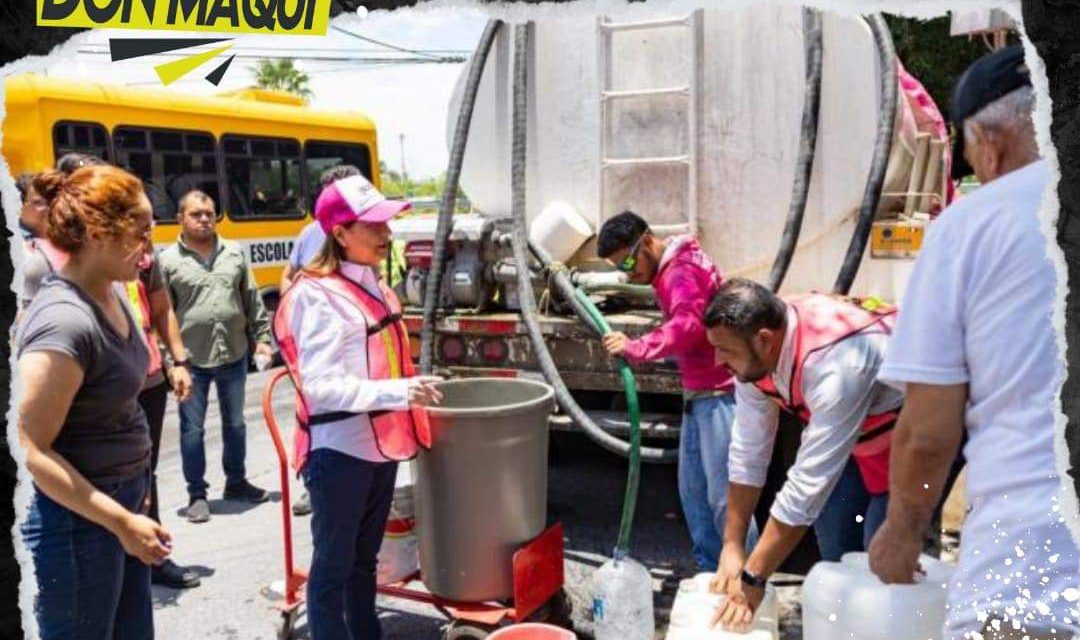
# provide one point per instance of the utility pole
(404, 175)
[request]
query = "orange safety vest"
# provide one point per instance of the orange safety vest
(140, 307)
(823, 321)
(398, 434)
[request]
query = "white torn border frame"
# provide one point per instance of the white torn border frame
(925, 9)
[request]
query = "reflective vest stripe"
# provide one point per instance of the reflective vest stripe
(824, 321)
(398, 434)
(139, 303)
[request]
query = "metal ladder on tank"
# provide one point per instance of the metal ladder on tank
(688, 91)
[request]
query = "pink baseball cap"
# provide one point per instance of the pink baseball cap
(354, 199)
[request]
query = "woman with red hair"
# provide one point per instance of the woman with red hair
(83, 360)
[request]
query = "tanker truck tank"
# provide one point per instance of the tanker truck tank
(693, 122)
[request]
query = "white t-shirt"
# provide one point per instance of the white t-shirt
(308, 244)
(978, 311)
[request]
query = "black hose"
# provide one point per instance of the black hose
(449, 194)
(882, 149)
(526, 296)
(804, 166)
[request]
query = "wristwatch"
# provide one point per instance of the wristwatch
(752, 580)
(181, 363)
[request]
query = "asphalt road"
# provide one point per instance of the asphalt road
(239, 552)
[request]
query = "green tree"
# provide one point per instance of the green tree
(933, 56)
(282, 75)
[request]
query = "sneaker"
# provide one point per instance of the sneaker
(198, 510)
(169, 574)
(302, 506)
(246, 492)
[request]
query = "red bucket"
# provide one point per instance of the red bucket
(532, 631)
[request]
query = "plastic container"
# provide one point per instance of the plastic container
(560, 229)
(623, 601)
(695, 606)
(399, 555)
(532, 631)
(481, 491)
(845, 600)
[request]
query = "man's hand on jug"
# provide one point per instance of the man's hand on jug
(894, 552)
(423, 390)
(729, 570)
(615, 343)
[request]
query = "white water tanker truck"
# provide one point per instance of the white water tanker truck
(776, 135)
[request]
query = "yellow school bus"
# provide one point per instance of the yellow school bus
(258, 154)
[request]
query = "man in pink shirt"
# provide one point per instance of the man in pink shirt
(684, 280)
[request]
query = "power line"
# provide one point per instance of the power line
(334, 69)
(253, 56)
(384, 44)
(101, 48)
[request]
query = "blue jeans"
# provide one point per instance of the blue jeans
(88, 587)
(703, 475)
(230, 380)
(350, 502)
(851, 516)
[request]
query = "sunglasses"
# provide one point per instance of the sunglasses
(630, 261)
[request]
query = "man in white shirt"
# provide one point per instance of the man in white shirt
(817, 357)
(312, 237)
(975, 346)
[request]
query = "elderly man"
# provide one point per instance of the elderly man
(975, 347)
(221, 317)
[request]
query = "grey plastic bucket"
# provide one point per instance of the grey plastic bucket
(481, 491)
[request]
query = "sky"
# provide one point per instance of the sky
(408, 99)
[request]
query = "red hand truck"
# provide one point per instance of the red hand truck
(537, 566)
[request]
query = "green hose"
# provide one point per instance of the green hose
(633, 290)
(633, 474)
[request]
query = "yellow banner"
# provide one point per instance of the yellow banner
(292, 17)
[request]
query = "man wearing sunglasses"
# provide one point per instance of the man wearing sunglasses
(684, 280)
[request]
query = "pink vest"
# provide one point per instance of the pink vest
(823, 321)
(398, 434)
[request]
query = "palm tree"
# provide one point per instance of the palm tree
(281, 75)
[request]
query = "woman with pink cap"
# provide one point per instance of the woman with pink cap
(361, 407)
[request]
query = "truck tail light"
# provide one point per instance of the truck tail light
(418, 253)
(494, 350)
(452, 349)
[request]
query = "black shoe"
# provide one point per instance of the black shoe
(198, 510)
(169, 574)
(246, 492)
(302, 506)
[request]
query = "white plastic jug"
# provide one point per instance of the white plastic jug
(560, 229)
(399, 555)
(845, 600)
(623, 601)
(695, 606)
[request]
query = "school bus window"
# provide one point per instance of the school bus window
(170, 164)
(80, 137)
(320, 156)
(264, 177)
